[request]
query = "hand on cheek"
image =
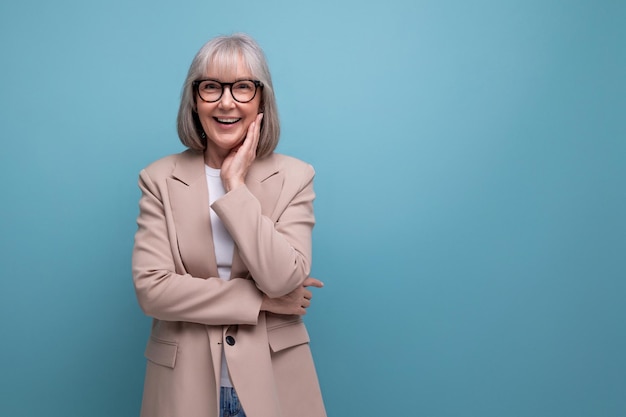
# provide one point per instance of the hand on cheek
(236, 165)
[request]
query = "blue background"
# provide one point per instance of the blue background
(470, 159)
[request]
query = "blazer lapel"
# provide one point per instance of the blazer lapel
(265, 182)
(189, 200)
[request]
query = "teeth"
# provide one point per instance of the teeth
(227, 120)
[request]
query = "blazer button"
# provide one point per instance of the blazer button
(230, 340)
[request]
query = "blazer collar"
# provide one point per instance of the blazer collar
(190, 168)
(190, 205)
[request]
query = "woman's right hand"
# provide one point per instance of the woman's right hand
(237, 163)
(296, 302)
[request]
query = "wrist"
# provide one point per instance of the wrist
(230, 185)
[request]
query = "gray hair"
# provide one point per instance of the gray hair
(223, 53)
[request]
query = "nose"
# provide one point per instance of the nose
(227, 100)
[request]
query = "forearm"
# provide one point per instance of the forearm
(168, 296)
(277, 254)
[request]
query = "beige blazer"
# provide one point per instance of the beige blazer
(197, 315)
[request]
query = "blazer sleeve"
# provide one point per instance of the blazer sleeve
(166, 295)
(277, 253)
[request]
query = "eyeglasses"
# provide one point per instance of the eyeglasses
(211, 91)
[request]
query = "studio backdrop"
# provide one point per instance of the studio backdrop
(471, 196)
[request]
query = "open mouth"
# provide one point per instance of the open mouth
(227, 121)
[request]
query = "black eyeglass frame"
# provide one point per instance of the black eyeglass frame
(196, 84)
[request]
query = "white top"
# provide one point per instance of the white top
(223, 243)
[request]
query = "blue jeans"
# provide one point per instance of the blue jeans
(229, 403)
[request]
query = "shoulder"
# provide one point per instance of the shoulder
(165, 167)
(294, 173)
(290, 166)
(290, 162)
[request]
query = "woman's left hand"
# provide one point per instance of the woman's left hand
(237, 162)
(296, 302)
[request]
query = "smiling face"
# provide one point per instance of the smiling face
(226, 121)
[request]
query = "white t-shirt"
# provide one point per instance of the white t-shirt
(223, 243)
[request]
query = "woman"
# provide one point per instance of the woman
(223, 252)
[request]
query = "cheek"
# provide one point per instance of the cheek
(204, 110)
(257, 107)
